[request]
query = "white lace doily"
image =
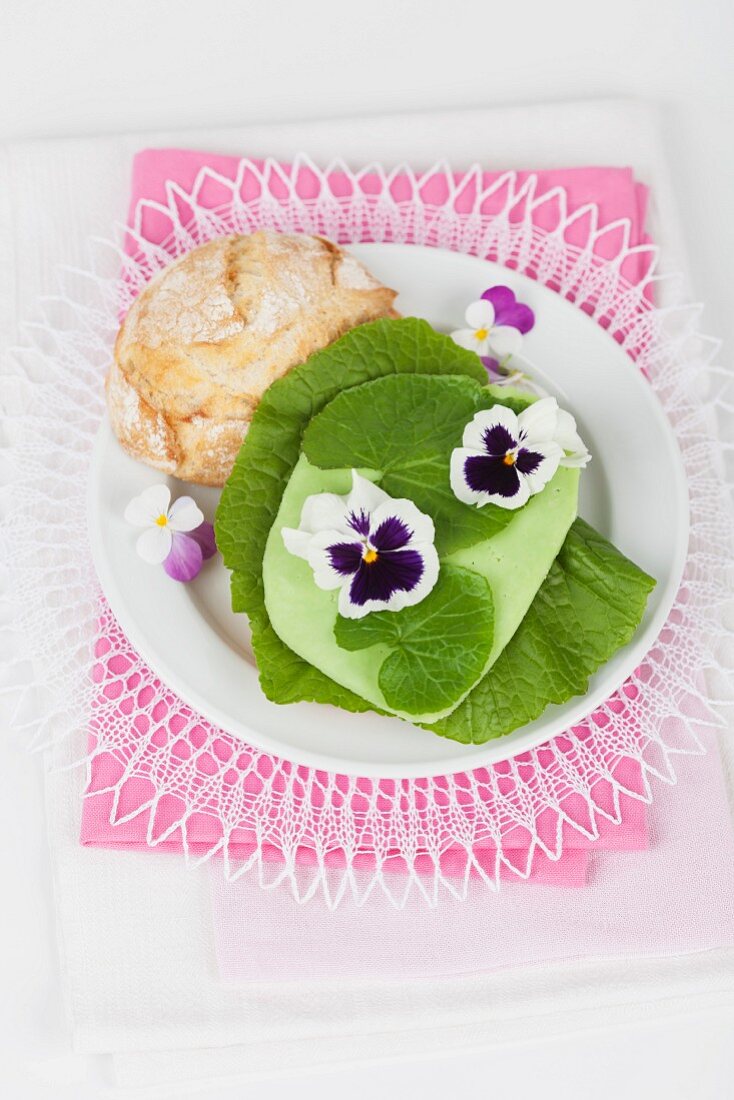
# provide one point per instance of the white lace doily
(273, 807)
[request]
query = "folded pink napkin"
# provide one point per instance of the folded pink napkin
(599, 198)
(607, 198)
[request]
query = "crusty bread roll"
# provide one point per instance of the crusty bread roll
(205, 339)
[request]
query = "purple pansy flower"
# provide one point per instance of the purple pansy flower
(175, 536)
(378, 551)
(497, 322)
(189, 551)
(507, 309)
(505, 459)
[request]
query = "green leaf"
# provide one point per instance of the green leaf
(588, 607)
(439, 648)
(286, 678)
(406, 428)
(252, 494)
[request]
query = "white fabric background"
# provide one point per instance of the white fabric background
(81, 67)
(139, 968)
(95, 68)
(163, 968)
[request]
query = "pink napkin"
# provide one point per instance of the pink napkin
(603, 197)
(607, 198)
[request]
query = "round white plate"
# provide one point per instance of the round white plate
(634, 492)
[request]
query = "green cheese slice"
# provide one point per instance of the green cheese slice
(514, 563)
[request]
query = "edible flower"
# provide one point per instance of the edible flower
(507, 458)
(497, 323)
(567, 436)
(378, 551)
(175, 536)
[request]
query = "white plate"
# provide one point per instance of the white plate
(634, 492)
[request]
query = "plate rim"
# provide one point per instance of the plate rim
(492, 752)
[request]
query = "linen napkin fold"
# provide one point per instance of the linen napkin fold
(611, 197)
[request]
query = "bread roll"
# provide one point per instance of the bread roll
(204, 340)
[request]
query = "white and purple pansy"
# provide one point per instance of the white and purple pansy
(176, 535)
(497, 323)
(507, 458)
(378, 551)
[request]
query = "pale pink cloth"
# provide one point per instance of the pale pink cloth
(615, 196)
(676, 898)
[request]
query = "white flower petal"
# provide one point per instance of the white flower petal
(465, 338)
(459, 486)
(484, 420)
(324, 573)
(539, 421)
(154, 545)
(324, 511)
(480, 314)
(296, 542)
(569, 439)
(185, 515)
(576, 461)
(566, 434)
(539, 478)
(326, 577)
(418, 522)
(143, 510)
(522, 496)
(365, 495)
(352, 610)
(504, 340)
(313, 548)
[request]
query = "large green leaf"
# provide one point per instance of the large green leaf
(588, 607)
(437, 649)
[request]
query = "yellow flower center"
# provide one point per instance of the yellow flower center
(481, 333)
(510, 458)
(369, 555)
(162, 520)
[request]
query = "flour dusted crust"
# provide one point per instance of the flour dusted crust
(205, 339)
